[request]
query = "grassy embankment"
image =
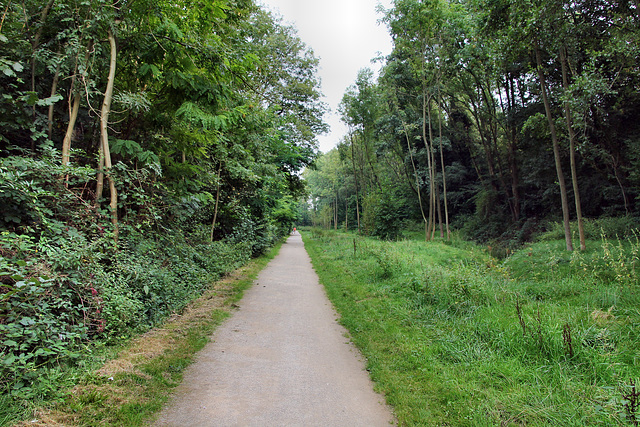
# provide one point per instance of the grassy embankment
(131, 387)
(455, 337)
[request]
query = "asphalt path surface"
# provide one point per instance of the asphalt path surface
(280, 360)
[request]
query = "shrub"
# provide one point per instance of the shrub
(44, 321)
(383, 215)
(51, 310)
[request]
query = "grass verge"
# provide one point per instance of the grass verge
(454, 337)
(131, 388)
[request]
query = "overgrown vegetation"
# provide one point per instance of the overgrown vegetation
(133, 385)
(66, 291)
(454, 336)
(147, 148)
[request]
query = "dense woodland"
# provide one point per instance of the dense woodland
(146, 149)
(491, 116)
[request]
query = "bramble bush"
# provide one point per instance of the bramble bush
(50, 311)
(44, 320)
(66, 288)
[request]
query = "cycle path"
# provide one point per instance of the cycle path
(280, 360)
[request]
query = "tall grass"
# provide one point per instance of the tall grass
(454, 337)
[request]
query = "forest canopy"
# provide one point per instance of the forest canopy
(492, 116)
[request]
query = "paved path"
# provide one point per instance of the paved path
(280, 360)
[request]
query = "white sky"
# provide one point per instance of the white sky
(346, 36)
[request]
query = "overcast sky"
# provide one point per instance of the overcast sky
(346, 36)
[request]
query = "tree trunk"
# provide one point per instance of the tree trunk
(431, 166)
(444, 176)
(355, 178)
(215, 209)
(572, 150)
(556, 151)
(335, 214)
(74, 107)
(439, 211)
(66, 142)
(427, 222)
(375, 181)
(36, 43)
(100, 176)
(415, 173)
(512, 131)
(346, 213)
(104, 134)
(54, 89)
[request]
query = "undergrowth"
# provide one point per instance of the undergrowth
(131, 387)
(455, 337)
(70, 290)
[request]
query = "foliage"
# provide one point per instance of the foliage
(45, 322)
(131, 388)
(383, 215)
(200, 149)
(458, 104)
(452, 335)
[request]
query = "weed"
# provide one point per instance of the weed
(387, 264)
(523, 325)
(129, 389)
(632, 403)
(567, 340)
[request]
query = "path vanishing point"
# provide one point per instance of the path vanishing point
(280, 360)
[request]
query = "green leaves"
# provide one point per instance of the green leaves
(199, 118)
(10, 68)
(195, 136)
(133, 150)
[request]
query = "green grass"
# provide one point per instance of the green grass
(455, 337)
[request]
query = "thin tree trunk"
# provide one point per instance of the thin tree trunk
(54, 89)
(99, 179)
(444, 176)
(36, 43)
(556, 151)
(104, 134)
(74, 106)
(335, 215)
(66, 142)
(439, 211)
(355, 177)
(614, 166)
(432, 173)
(415, 173)
(427, 223)
(346, 214)
(374, 175)
(4, 15)
(572, 151)
(513, 140)
(215, 209)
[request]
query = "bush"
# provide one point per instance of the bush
(65, 286)
(44, 320)
(383, 216)
(49, 312)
